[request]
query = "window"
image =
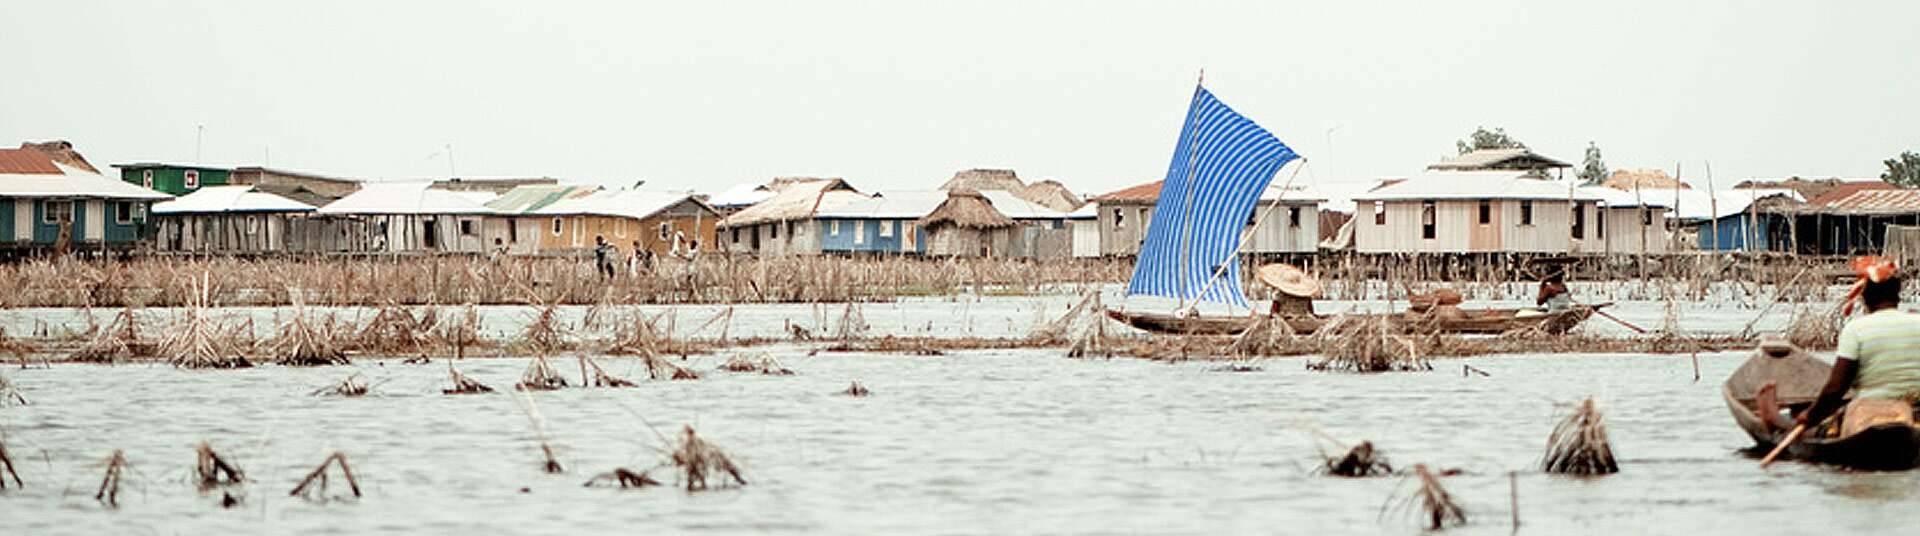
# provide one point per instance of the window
(1293, 217)
(666, 230)
(776, 231)
(886, 229)
(556, 227)
(123, 213)
(193, 179)
(253, 225)
(57, 211)
(1600, 223)
(1579, 221)
(146, 179)
(859, 232)
(1486, 212)
(1646, 216)
(1119, 220)
(513, 232)
(1427, 225)
(833, 228)
(1379, 213)
(736, 235)
(1526, 213)
(467, 228)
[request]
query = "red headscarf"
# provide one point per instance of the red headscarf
(1870, 270)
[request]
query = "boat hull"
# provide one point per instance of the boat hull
(1468, 322)
(1798, 377)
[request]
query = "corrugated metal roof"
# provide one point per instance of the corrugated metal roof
(1019, 208)
(229, 199)
(796, 201)
(1698, 205)
(1846, 189)
(72, 182)
(1615, 197)
(741, 195)
(1148, 192)
(1874, 201)
(405, 198)
(636, 204)
(1485, 158)
(892, 204)
(528, 198)
(26, 162)
(1476, 185)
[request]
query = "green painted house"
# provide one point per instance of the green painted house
(44, 204)
(174, 179)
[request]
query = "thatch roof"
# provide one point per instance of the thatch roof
(1051, 194)
(966, 209)
(985, 179)
(1645, 179)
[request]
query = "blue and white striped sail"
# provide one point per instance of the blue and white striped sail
(1221, 164)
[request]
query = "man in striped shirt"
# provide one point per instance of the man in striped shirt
(1878, 359)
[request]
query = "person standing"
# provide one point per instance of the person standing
(603, 254)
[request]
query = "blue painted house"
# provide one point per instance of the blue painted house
(45, 204)
(879, 224)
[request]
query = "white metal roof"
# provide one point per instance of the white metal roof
(1615, 197)
(72, 182)
(741, 195)
(797, 201)
(1020, 209)
(404, 198)
(1297, 193)
(636, 204)
(1693, 205)
(895, 205)
(218, 199)
(1452, 185)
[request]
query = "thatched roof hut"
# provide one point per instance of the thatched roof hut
(1645, 179)
(966, 209)
(1051, 194)
(985, 179)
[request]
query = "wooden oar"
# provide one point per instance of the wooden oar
(1791, 437)
(1603, 314)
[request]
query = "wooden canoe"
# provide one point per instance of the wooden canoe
(1798, 378)
(1468, 321)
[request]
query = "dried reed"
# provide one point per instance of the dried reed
(763, 363)
(1361, 461)
(591, 375)
(463, 385)
(394, 331)
(461, 333)
(1366, 344)
(352, 386)
(545, 334)
(314, 486)
(540, 376)
(118, 343)
(302, 343)
(213, 470)
(855, 390)
(623, 477)
(199, 342)
(699, 460)
(10, 394)
(1578, 445)
(109, 493)
(6, 462)
(1813, 330)
(1436, 505)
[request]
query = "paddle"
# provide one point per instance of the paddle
(1791, 437)
(1603, 314)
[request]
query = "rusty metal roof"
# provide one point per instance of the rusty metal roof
(27, 162)
(1148, 193)
(1875, 201)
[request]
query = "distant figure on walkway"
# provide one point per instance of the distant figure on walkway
(1554, 295)
(499, 251)
(603, 254)
(640, 262)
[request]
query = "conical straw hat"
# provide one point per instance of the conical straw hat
(1289, 280)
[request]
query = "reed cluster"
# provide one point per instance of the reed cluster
(1578, 445)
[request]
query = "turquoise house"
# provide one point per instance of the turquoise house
(44, 204)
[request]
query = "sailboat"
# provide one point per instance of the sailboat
(1221, 164)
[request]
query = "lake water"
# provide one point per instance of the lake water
(968, 443)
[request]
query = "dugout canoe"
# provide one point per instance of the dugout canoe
(1798, 378)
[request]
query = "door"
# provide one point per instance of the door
(96, 227)
(909, 237)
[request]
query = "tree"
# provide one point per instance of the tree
(1903, 171)
(1483, 139)
(1593, 170)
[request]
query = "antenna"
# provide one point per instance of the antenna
(451, 174)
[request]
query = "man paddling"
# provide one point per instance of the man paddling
(1878, 359)
(1554, 295)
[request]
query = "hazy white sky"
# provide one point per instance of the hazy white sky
(900, 94)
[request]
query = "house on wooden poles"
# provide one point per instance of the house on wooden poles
(1292, 224)
(56, 202)
(231, 220)
(785, 224)
(1624, 222)
(309, 188)
(413, 217)
(174, 179)
(1851, 219)
(665, 223)
(1744, 219)
(520, 227)
(881, 223)
(1473, 212)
